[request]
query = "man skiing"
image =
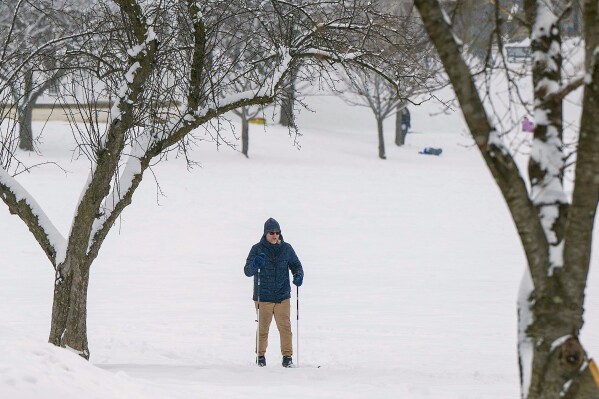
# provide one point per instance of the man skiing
(269, 262)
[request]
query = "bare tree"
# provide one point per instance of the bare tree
(241, 52)
(28, 27)
(169, 72)
(373, 91)
(555, 227)
(246, 114)
(370, 90)
(417, 72)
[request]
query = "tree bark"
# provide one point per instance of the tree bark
(400, 134)
(68, 327)
(379, 127)
(558, 364)
(24, 110)
(245, 136)
(26, 102)
(288, 101)
(25, 127)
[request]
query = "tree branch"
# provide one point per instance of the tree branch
(22, 204)
(499, 161)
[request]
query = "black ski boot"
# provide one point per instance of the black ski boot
(261, 361)
(287, 362)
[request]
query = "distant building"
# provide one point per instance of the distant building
(518, 52)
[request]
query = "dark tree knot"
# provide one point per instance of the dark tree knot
(572, 354)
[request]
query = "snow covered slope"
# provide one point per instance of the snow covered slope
(412, 270)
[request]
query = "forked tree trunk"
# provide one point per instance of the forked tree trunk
(553, 362)
(69, 309)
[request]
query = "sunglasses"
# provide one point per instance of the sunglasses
(272, 233)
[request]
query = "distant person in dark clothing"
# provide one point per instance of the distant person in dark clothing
(402, 124)
(431, 151)
(269, 262)
(405, 121)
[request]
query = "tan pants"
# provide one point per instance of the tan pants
(281, 312)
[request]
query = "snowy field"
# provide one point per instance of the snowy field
(412, 267)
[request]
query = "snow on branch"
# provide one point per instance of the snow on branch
(525, 320)
(547, 155)
(125, 91)
(139, 48)
(22, 203)
(545, 26)
(176, 129)
(121, 190)
(333, 55)
(496, 141)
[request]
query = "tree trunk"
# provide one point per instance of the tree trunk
(69, 310)
(559, 362)
(400, 136)
(24, 110)
(245, 128)
(287, 102)
(379, 126)
(553, 362)
(25, 128)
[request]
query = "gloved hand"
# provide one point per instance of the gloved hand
(258, 261)
(298, 280)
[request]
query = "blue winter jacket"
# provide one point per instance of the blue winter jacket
(274, 275)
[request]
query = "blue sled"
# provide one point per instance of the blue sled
(431, 151)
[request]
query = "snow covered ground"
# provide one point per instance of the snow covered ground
(412, 270)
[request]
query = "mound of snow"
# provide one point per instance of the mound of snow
(30, 369)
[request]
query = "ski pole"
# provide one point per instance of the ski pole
(297, 323)
(258, 319)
